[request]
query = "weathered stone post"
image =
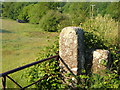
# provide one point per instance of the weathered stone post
(101, 61)
(71, 50)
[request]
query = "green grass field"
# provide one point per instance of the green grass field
(21, 43)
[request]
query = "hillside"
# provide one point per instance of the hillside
(21, 43)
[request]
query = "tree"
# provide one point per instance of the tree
(6, 8)
(100, 7)
(24, 14)
(36, 12)
(113, 10)
(51, 21)
(13, 9)
(76, 11)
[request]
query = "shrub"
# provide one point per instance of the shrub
(65, 22)
(78, 11)
(36, 12)
(109, 80)
(50, 21)
(13, 9)
(24, 13)
(104, 27)
(93, 41)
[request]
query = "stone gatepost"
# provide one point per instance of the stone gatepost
(101, 61)
(71, 50)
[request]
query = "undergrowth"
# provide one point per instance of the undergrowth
(95, 38)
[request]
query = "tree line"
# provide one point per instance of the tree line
(52, 16)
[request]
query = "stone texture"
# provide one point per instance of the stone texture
(100, 61)
(71, 50)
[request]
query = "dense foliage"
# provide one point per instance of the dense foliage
(12, 10)
(51, 20)
(44, 69)
(76, 13)
(35, 14)
(104, 27)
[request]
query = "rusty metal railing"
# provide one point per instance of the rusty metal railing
(5, 74)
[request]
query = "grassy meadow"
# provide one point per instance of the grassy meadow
(21, 44)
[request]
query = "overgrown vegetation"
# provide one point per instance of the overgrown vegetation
(46, 68)
(95, 38)
(104, 27)
(101, 31)
(110, 78)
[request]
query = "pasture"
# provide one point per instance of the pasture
(22, 43)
